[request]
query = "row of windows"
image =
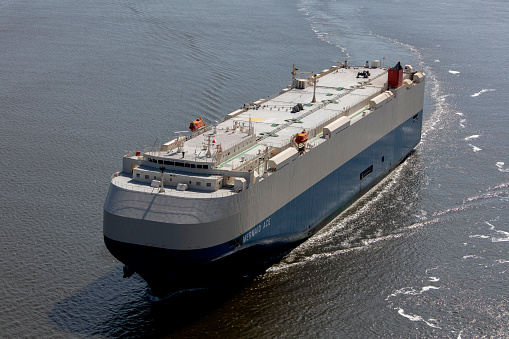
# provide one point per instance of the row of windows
(177, 163)
(198, 183)
(146, 176)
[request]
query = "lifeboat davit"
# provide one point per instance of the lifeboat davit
(301, 137)
(196, 124)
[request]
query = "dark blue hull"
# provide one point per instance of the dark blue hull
(284, 229)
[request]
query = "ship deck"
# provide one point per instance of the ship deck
(338, 92)
(125, 181)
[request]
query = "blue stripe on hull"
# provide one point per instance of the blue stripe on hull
(323, 201)
(294, 222)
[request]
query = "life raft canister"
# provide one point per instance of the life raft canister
(196, 124)
(301, 137)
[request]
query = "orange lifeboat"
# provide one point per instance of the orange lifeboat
(301, 137)
(196, 124)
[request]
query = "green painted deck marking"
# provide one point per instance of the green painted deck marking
(227, 161)
(317, 137)
(365, 108)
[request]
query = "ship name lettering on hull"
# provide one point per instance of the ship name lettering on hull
(255, 230)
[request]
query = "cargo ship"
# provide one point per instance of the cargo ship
(234, 193)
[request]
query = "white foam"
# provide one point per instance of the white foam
(442, 108)
(454, 72)
(367, 242)
(453, 210)
(436, 60)
(475, 148)
(285, 265)
(505, 238)
(433, 279)
(427, 288)
(338, 224)
(423, 215)
(472, 256)
(479, 236)
(431, 322)
(491, 225)
(504, 185)
(505, 235)
(483, 91)
(475, 136)
(500, 166)
(404, 290)
(411, 291)
(413, 317)
(443, 97)
(432, 269)
(459, 113)
(490, 195)
(409, 316)
(313, 19)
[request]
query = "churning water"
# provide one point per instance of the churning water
(423, 254)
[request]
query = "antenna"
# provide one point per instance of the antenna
(209, 137)
(314, 88)
(155, 142)
(294, 71)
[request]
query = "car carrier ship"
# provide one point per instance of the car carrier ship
(265, 178)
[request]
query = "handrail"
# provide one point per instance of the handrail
(173, 192)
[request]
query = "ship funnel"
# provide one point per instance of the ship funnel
(396, 76)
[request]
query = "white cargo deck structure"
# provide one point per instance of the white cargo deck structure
(241, 146)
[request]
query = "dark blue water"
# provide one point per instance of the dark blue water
(424, 254)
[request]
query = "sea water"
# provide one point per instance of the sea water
(423, 254)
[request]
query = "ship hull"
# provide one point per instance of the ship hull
(259, 242)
